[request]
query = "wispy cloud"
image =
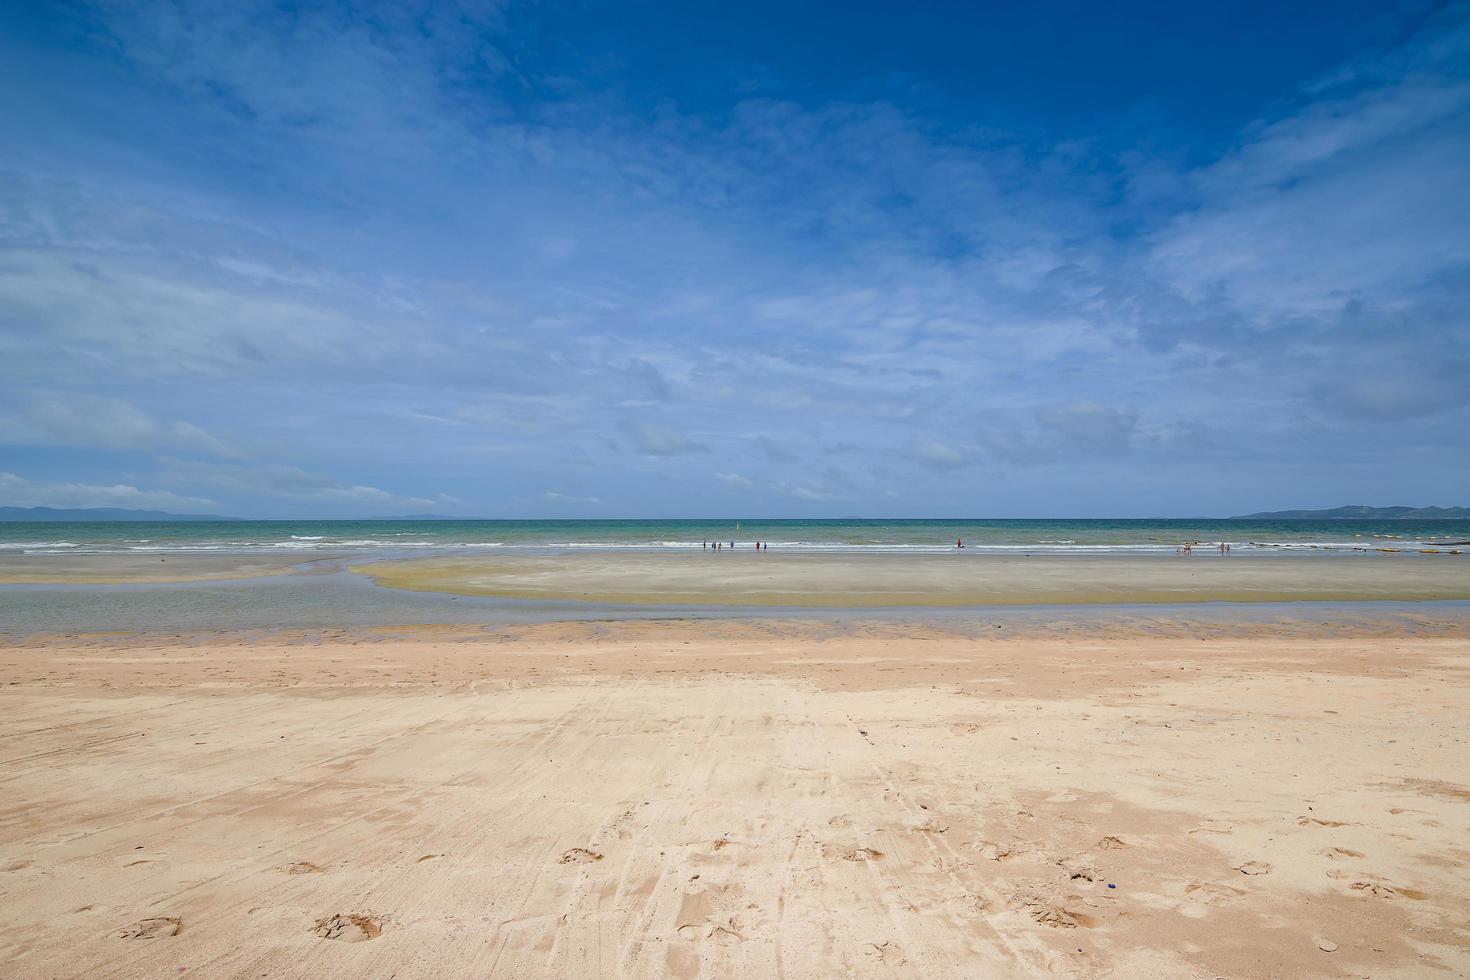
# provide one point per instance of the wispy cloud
(78, 419)
(378, 253)
(557, 497)
(17, 491)
(652, 440)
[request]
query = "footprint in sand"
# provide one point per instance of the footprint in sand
(1050, 914)
(698, 920)
(886, 953)
(1110, 844)
(723, 933)
(1387, 891)
(1318, 822)
(862, 854)
(17, 866)
(579, 855)
(1210, 893)
(350, 928)
(1213, 827)
(992, 851)
(303, 868)
(1340, 852)
(1254, 868)
(155, 928)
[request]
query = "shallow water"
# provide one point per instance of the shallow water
(339, 599)
(935, 535)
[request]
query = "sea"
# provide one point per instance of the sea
(979, 536)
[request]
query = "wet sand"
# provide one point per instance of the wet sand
(144, 568)
(837, 580)
(728, 799)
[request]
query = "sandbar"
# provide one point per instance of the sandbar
(109, 569)
(875, 580)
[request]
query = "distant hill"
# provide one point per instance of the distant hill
(100, 514)
(1358, 512)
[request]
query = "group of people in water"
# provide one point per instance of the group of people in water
(1187, 548)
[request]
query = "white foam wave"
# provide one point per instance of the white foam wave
(394, 541)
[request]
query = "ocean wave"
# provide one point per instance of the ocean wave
(375, 543)
(1324, 545)
(398, 542)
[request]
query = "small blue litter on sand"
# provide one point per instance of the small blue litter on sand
(1111, 885)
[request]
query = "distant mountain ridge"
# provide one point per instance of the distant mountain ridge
(1359, 512)
(38, 514)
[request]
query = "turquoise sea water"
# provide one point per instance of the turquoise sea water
(979, 536)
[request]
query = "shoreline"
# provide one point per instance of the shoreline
(333, 592)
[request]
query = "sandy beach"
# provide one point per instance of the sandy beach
(729, 799)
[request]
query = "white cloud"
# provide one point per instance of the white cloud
(76, 419)
(798, 491)
(938, 453)
(1059, 433)
(17, 491)
(263, 272)
(290, 482)
(654, 441)
(1362, 191)
(557, 497)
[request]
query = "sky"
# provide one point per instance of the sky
(506, 259)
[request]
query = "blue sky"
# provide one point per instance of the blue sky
(505, 259)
